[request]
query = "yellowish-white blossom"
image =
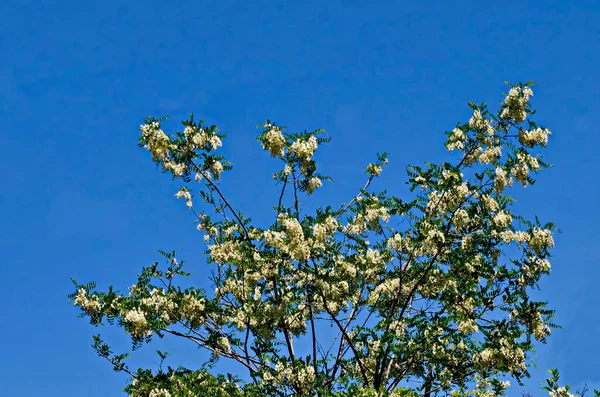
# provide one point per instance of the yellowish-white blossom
(274, 141)
(313, 183)
(183, 192)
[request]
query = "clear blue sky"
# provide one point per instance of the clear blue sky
(80, 199)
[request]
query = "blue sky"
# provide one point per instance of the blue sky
(80, 199)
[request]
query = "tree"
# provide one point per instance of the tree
(427, 297)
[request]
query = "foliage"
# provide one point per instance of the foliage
(439, 304)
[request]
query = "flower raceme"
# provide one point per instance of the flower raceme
(416, 291)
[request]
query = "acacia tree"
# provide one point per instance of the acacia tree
(426, 297)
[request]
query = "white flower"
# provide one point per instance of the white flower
(223, 343)
(321, 231)
(217, 168)
(490, 155)
(461, 218)
(540, 331)
(373, 169)
(479, 123)
(459, 135)
(274, 141)
(313, 184)
(304, 149)
(540, 239)
(183, 192)
(227, 252)
(89, 304)
(395, 243)
(538, 136)
(515, 103)
(157, 142)
(137, 319)
(521, 170)
(176, 168)
(467, 327)
(159, 393)
(372, 215)
(502, 180)
(489, 203)
(456, 140)
(215, 142)
(502, 219)
(198, 137)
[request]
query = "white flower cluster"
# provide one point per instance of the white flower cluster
(502, 180)
(540, 239)
(509, 236)
(521, 169)
(374, 257)
(359, 223)
(561, 392)
(297, 246)
(157, 142)
(291, 241)
(490, 154)
(532, 269)
(199, 138)
(515, 102)
(539, 264)
(192, 309)
(313, 183)
(508, 354)
(456, 140)
(159, 302)
(374, 169)
(483, 388)
(434, 239)
(421, 181)
(198, 177)
(372, 215)
(215, 142)
(303, 377)
(461, 218)
(304, 149)
(89, 304)
(440, 202)
(399, 243)
(321, 231)
(176, 168)
(502, 219)
(137, 319)
(223, 343)
(540, 329)
(159, 145)
(490, 203)
(159, 393)
(216, 169)
(183, 192)
(467, 327)
(531, 138)
(480, 124)
(274, 141)
(226, 252)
